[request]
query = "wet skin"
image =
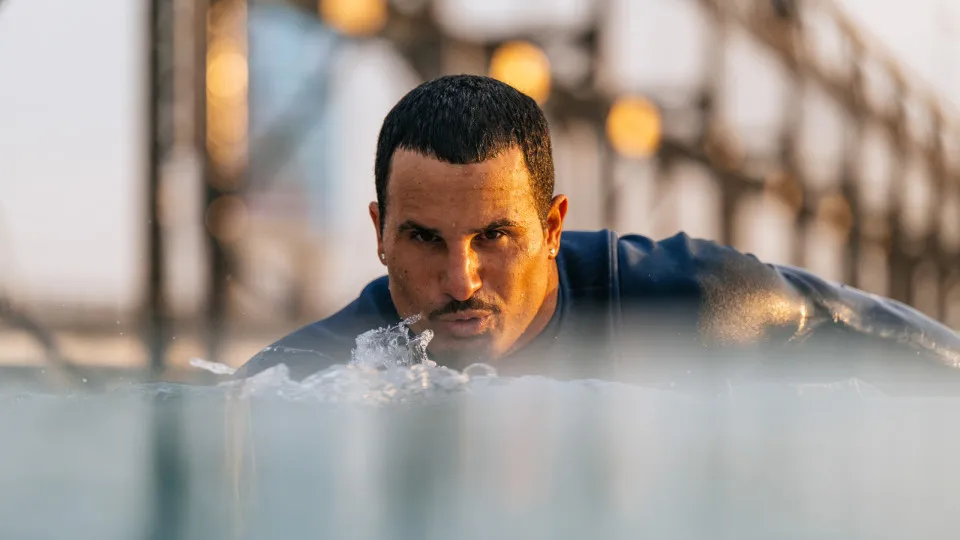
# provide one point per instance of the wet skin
(465, 248)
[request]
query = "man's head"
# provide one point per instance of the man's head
(466, 220)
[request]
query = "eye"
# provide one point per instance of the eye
(424, 237)
(493, 235)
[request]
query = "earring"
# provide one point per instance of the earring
(553, 251)
(383, 257)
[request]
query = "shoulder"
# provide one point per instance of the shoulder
(682, 258)
(734, 297)
(329, 341)
(849, 312)
(676, 262)
(642, 269)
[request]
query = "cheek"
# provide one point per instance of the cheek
(516, 278)
(410, 283)
(534, 275)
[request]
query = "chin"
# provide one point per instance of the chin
(460, 353)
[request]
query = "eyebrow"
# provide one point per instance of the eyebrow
(499, 224)
(410, 225)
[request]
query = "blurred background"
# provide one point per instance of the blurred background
(189, 178)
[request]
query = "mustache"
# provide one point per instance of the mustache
(471, 304)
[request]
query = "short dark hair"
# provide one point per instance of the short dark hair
(464, 119)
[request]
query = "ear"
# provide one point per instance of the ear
(374, 210)
(555, 217)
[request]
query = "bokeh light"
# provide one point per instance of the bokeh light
(634, 127)
(354, 17)
(226, 71)
(524, 66)
(227, 88)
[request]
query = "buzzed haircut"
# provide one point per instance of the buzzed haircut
(464, 119)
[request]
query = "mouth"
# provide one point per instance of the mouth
(465, 324)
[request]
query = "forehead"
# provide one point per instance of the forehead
(422, 185)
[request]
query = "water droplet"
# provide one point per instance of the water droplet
(480, 370)
(212, 367)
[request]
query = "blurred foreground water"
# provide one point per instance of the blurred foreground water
(487, 458)
(421, 452)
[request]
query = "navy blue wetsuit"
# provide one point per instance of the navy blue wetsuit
(633, 309)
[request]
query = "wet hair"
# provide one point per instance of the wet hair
(463, 119)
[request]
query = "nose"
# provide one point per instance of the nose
(461, 278)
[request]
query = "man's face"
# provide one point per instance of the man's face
(465, 249)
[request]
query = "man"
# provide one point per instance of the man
(471, 235)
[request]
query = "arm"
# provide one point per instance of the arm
(806, 327)
(876, 339)
(299, 352)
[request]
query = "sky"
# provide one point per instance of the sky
(70, 156)
(72, 160)
(923, 34)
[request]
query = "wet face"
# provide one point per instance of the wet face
(466, 249)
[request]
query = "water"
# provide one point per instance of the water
(388, 448)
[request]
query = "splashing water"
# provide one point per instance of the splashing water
(393, 346)
(388, 365)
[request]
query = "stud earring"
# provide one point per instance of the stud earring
(553, 251)
(383, 257)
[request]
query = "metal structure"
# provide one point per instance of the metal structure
(197, 112)
(171, 25)
(161, 119)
